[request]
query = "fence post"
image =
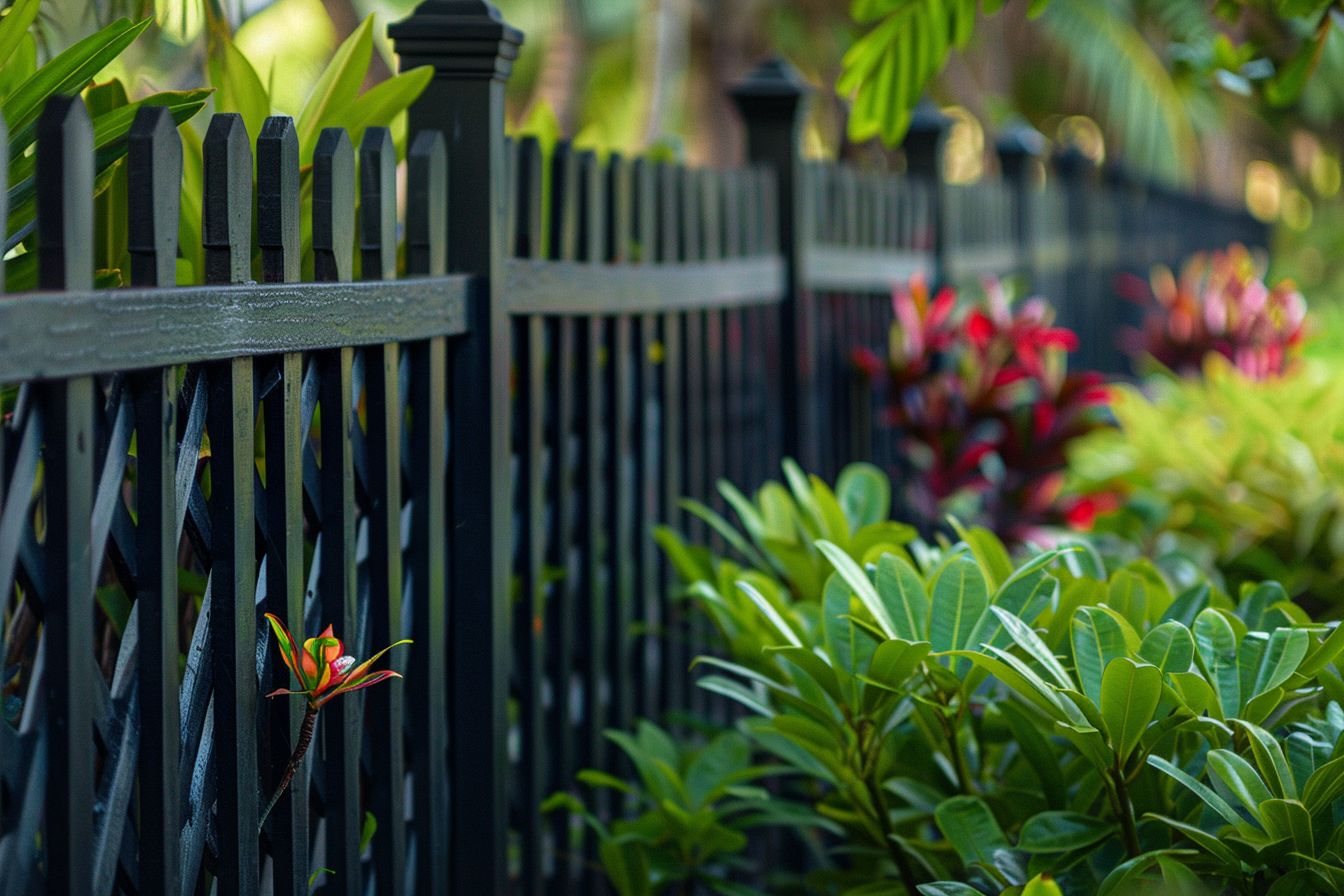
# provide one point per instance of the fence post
(772, 101)
(1019, 149)
(1077, 305)
(923, 148)
(472, 49)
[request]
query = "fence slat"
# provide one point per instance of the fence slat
(65, 246)
(670, 386)
(227, 234)
(340, 728)
(620, 509)
(154, 178)
(530, 620)
(561, 624)
(278, 236)
(426, 563)
(594, 484)
(378, 245)
(649, 572)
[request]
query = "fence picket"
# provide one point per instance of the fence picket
(66, 407)
(281, 498)
(154, 177)
(227, 235)
(426, 558)
(378, 246)
(530, 632)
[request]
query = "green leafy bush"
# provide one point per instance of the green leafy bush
(956, 721)
(1242, 476)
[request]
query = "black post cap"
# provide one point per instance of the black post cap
(466, 38)
(774, 87)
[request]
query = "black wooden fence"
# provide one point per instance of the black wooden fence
(471, 459)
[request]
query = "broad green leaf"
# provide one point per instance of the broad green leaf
(67, 73)
(970, 827)
(1240, 779)
(864, 493)
(769, 612)
(1217, 648)
(382, 103)
(836, 627)
(1207, 794)
(1285, 652)
(727, 532)
(737, 692)
(1049, 832)
(1288, 820)
(626, 864)
(895, 661)
(1127, 594)
(1202, 838)
(1129, 696)
(1030, 738)
(1325, 785)
(946, 888)
(1170, 647)
(960, 597)
(901, 591)
(339, 84)
(1126, 877)
(14, 26)
(1098, 637)
(1269, 759)
(238, 88)
(989, 552)
(1322, 656)
(858, 580)
(1026, 638)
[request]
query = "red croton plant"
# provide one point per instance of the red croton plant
(1220, 304)
(978, 396)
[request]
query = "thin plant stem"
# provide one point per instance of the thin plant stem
(300, 748)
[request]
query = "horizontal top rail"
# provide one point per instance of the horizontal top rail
(575, 288)
(50, 335)
(844, 269)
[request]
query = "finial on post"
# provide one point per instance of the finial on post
(1017, 147)
(924, 139)
(468, 38)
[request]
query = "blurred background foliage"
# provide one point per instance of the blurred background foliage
(1242, 99)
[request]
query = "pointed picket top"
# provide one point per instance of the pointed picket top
(1072, 163)
(333, 205)
(427, 205)
(592, 206)
(226, 214)
(65, 195)
(154, 196)
(378, 205)
(278, 199)
(1017, 145)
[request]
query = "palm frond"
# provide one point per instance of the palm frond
(1127, 84)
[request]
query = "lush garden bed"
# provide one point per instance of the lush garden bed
(1131, 687)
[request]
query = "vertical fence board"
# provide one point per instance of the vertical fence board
(622, 464)
(65, 241)
(426, 567)
(227, 234)
(278, 236)
(378, 250)
(594, 660)
(649, 422)
(154, 177)
(530, 623)
(668, 249)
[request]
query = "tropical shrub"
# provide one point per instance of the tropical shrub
(979, 400)
(1220, 304)
(1245, 477)
(957, 722)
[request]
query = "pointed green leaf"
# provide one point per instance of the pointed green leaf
(960, 598)
(970, 827)
(1099, 636)
(1170, 647)
(1129, 696)
(1049, 832)
(901, 591)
